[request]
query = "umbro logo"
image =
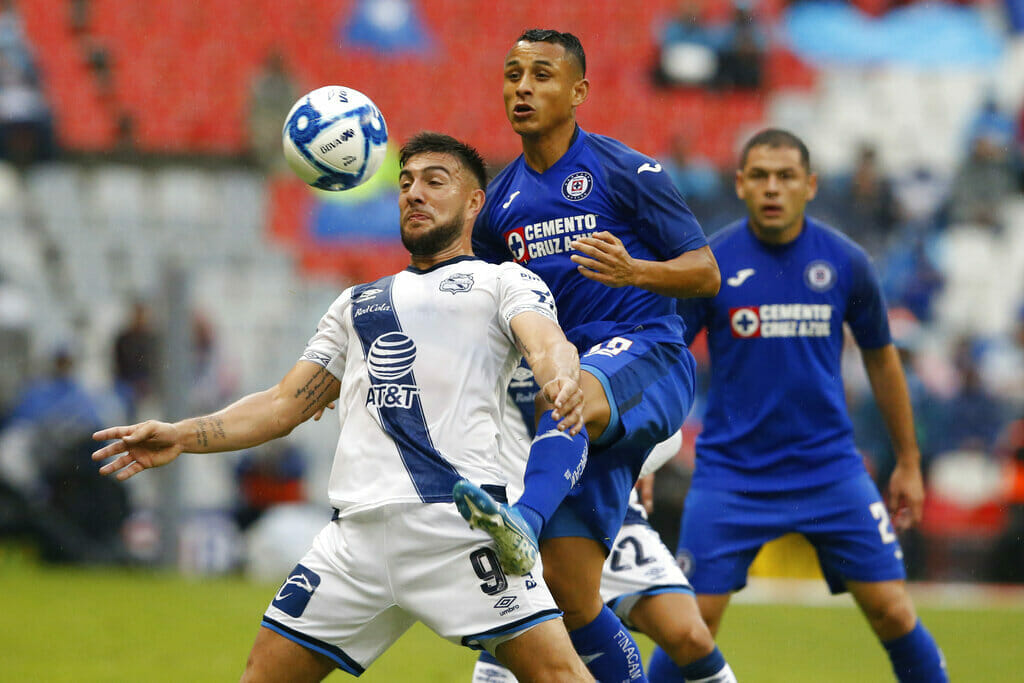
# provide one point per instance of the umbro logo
(740, 277)
(510, 198)
(656, 168)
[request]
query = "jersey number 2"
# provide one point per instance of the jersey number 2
(879, 512)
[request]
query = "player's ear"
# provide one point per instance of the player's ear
(476, 202)
(812, 186)
(580, 91)
(739, 184)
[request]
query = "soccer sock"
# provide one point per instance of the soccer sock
(608, 650)
(490, 670)
(916, 658)
(556, 461)
(711, 668)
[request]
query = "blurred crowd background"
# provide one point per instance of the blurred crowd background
(157, 259)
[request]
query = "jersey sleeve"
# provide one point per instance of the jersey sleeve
(662, 219)
(521, 291)
(865, 310)
(487, 244)
(329, 346)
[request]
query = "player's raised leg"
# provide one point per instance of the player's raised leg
(889, 610)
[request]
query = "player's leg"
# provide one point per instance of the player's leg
(276, 658)
(539, 654)
(712, 609)
(685, 649)
(643, 584)
(890, 611)
(849, 526)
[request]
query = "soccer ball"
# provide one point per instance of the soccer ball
(335, 138)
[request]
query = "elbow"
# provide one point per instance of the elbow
(713, 281)
(711, 277)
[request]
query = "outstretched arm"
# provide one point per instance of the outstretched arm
(250, 421)
(604, 258)
(906, 485)
(555, 364)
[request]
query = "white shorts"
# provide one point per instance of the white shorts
(639, 565)
(372, 575)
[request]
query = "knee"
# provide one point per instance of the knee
(686, 642)
(892, 618)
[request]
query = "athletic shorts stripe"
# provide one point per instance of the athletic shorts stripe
(335, 654)
(476, 641)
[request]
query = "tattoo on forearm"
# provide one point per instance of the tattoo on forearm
(201, 437)
(209, 428)
(315, 390)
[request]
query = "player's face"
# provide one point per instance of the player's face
(543, 87)
(436, 195)
(776, 187)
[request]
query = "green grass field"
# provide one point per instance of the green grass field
(111, 625)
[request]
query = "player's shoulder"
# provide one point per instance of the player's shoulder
(510, 271)
(729, 235)
(835, 239)
(617, 156)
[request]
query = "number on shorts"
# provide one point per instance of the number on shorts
(879, 512)
(612, 347)
(638, 554)
(485, 564)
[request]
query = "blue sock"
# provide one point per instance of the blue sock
(555, 464)
(608, 650)
(662, 669)
(916, 658)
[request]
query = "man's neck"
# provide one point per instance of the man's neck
(447, 254)
(541, 152)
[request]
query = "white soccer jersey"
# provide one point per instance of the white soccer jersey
(424, 358)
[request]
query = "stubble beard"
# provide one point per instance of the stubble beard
(433, 241)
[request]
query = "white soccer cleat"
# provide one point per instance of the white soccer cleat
(513, 537)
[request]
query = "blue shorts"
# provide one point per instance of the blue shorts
(648, 377)
(846, 522)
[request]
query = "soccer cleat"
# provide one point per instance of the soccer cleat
(516, 544)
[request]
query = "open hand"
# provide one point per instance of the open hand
(142, 446)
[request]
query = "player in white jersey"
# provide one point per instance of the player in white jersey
(641, 580)
(417, 363)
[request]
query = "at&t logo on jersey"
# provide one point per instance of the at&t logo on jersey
(577, 186)
(390, 358)
(781, 320)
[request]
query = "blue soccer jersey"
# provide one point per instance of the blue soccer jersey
(598, 184)
(776, 412)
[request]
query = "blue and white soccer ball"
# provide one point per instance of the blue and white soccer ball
(335, 138)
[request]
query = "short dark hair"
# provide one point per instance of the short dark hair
(776, 137)
(428, 141)
(571, 43)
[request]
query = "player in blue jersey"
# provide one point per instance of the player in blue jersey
(776, 454)
(606, 230)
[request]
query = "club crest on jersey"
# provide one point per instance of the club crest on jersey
(577, 186)
(460, 282)
(745, 322)
(820, 276)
